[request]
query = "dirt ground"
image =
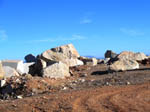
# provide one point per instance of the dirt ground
(90, 89)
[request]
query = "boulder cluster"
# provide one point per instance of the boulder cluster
(126, 60)
(59, 63)
(56, 62)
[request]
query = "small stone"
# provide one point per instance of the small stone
(107, 83)
(19, 97)
(2, 83)
(65, 88)
(128, 83)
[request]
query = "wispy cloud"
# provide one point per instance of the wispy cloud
(72, 38)
(131, 32)
(87, 18)
(85, 21)
(3, 35)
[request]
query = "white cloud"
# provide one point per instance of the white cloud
(72, 38)
(87, 18)
(85, 21)
(131, 32)
(3, 35)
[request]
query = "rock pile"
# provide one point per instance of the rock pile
(55, 62)
(126, 61)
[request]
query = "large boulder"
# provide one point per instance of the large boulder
(12, 63)
(9, 72)
(132, 56)
(1, 71)
(124, 64)
(24, 68)
(110, 54)
(66, 54)
(30, 58)
(18, 65)
(56, 70)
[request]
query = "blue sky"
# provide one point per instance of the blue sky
(93, 26)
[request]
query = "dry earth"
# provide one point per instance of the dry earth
(90, 89)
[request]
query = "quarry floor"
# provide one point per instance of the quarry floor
(90, 89)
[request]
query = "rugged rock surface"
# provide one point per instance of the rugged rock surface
(1, 71)
(66, 54)
(110, 54)
(9, 72)
(57, 70)
(123, 65)
(30, 58)
(132, 56)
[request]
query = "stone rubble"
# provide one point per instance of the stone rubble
(60, 63)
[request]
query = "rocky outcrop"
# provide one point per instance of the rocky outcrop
(57, 70)
(124, 64)
(132, 56)
(30, 58)
(1, 71)
(66, 54)
(110, 54)
(9, 72)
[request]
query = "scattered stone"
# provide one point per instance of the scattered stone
(19, 97)
(64, 88)
(128, 83)
(30, 58)
(83, 75)
(122, 65)
(57, 70)
(110, 54)
(89, 61)
(9, 72)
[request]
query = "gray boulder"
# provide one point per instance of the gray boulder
(57, 70)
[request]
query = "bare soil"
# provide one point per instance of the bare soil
(90, 89)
